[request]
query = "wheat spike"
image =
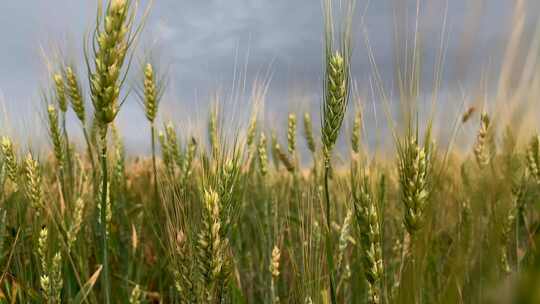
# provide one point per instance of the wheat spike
(56, 138)
(60, 92)
(308, 132)
(481, 144)
(75, 93)
(367, 218)
(10, 158)
(291, 134)
(263, 155)
(414, 166)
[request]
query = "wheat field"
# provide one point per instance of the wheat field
(303, 213)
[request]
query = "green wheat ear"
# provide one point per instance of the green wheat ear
(336, 99)
(111, 46)
(34, 191)
(367, 218)
(75, 94)
(414, 166)
(308, 133)
(291, 134)
(356, 132)
(10, 158)
(60, 89)
(54, 133)
(533, 158)
(151, 93)
(263, 155)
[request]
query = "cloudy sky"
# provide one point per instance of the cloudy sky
(205, 44)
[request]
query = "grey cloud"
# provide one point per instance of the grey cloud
(201, 39)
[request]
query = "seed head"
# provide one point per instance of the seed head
(42, 247)
(414, 166)
(76, 223)
(533, 159)
(60, 92)
(480, 147)
(291, 134)
(54, 133)
(274, 265)
(367, 218)
(172, 143)
(150, 93)
(213, 132)
(9, 158)
(34, 191)
(336, 99)
(188, 160)
(308, 132)
(136, 294)
(356, 132)
(263, 156)
(75, 93)
(111, 47)
(283, 158)
(252, 128)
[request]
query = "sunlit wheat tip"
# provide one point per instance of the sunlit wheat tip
(60, 92)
